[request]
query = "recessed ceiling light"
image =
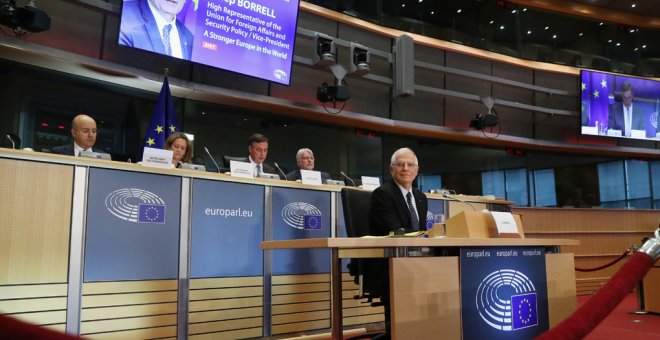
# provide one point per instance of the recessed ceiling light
(513, 12)
(529, 32)
(554, 36)
(609, 41)
(459, 10)
(524, 9)
(491, 22)
(502, 27)
(403, 5)
(618, 44)
(643, 46)
(581, 34)
(432, 12)
(633, 5)
(601, 23)
(546, 28)
(636, 48)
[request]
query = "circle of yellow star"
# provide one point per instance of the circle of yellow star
(159, 128)
(603, 83)
(596, 94)
(151, 141)
(172, 128)
(584, 86)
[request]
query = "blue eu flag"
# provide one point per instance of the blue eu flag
(151, 213)
(312, 222)
(524, 311)
(163, 119)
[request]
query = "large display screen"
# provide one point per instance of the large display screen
(252, 37)
(619, 106)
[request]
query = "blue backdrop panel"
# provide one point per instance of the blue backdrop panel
(503, 292)
(227, 226)
(132, 226)
(289, 208)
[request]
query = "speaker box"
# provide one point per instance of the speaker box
(404, 66)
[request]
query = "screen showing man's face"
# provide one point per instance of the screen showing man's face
(168, 8)
(627, 98)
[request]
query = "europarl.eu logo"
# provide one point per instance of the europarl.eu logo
(136, 205)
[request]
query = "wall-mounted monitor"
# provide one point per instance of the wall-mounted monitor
(252, 37)
(620, 106)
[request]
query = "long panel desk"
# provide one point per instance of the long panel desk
(118, 250)
(410, 322)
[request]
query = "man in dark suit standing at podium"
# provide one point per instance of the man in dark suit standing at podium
(83, 130)
(394, 205)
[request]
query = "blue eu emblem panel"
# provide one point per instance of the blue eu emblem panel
(503, 292)
(132, 226)
(300, 214)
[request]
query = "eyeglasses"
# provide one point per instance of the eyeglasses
(307, 158)
(403, 165)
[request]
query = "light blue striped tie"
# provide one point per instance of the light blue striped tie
(166, 39)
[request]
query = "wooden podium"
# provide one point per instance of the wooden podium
(425, 291)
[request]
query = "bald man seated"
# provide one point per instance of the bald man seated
(83, 130)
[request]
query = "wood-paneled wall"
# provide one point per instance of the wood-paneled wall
(603, 234)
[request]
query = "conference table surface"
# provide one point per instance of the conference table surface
(335, 245)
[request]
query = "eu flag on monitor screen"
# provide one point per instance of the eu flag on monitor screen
(163, 119)
(524, 311)
(151, 213)
(312, 222)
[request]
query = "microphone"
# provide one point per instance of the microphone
(281, 172)
(13, 145)
(348, 178)
(459, 200)
(213, 159)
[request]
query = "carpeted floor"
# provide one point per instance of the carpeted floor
(622, 325)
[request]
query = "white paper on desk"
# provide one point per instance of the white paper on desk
(157, 158)
(241, 169)
(638, 134)
(615, 133)
(311, 177)
(590, 130)
(370, 183)
(505, 222)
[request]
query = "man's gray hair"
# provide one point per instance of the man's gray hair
(300, 153)
(399, 153)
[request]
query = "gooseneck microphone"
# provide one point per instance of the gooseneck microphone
(213, 159)
(348, 178)
(281, 172)
(459, 200)
(13, 145)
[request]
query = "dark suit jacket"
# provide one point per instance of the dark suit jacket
(389, 211)
(139, 29)
(295, 175)
(68, 149)
(615, 118)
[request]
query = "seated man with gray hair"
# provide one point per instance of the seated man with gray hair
(305, 161)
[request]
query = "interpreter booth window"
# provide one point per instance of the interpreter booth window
(612, 186)
(638, 187)
(542, 183)
(655, 179)
(492, 183)
(516, 187)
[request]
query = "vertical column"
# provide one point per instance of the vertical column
(76, 253)
(268, 261)
(184, 259)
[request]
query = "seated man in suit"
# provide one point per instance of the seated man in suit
(152, 25)
(258, 149)
(83, 130)
(394, 205)
(624, 116)
(305, 161)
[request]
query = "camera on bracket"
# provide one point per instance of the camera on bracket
(23, 19)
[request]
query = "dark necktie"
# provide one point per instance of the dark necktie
(166, 39)
(414, 225)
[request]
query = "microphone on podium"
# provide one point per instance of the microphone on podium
(281, 172)
(13, 144)
(213, 159)
(459, 200)
(348, 178)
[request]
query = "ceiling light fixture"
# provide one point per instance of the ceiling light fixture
(459, 10)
